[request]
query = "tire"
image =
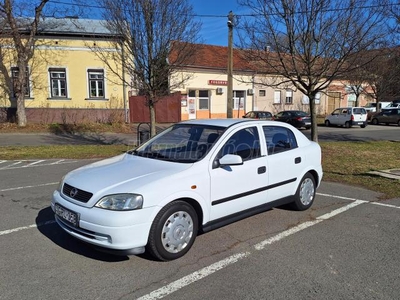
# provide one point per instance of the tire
(327, 123)
(305, 193)
(398, 123)
(363, 126)
(374, 121)
(173, 231)
(347, 124)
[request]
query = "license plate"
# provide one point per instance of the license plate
(67, 215)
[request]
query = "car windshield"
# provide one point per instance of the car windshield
(184, 143)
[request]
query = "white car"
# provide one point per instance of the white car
(347, 117)
(194, 176)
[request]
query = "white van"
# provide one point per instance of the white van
(347, 117)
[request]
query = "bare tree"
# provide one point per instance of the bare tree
(310, 42)
(383, 75)
(22, 32)
(157, 40)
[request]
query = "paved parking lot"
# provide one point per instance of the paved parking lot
(345, 247)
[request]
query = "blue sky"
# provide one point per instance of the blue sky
(213, 15)
(214, 30)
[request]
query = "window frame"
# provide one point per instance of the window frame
(94, 71)
(13, 83)
(59, 70)
(203, 99)
(277, 97)
(237, 103)
(289, 97)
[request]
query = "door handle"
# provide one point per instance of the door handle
(261, 170)
(297, 160)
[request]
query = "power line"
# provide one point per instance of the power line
(236, 15)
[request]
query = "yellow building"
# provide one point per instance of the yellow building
(68, 82)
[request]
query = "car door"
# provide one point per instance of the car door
(238, 187)
(334, 117)
(285, 161)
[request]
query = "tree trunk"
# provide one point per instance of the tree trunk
(153, 131)
(314, 125)
(21, 115)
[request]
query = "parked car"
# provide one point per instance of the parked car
(347, 117)
(387, 116)
(261, 115)
(297, 118)
(371, 108)
(392, 105)
(194, 176)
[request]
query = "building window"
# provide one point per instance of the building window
(96, 83)
(204, 100)
(261, 93)
(14, 78)
(238, 100)
(289, 97)
(192, 93)
(277, 97)
(58, 83)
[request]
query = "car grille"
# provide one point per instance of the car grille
(76, 194)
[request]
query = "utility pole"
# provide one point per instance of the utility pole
(229, 104)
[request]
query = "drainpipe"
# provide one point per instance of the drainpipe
(124, 84)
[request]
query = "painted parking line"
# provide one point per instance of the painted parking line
(28, 186)
(28, 163)
(27, 227)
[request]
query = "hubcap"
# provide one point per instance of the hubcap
(307, 191)
(177, 232)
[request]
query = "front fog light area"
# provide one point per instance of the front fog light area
(121, 202)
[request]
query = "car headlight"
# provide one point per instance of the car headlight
(121, 202)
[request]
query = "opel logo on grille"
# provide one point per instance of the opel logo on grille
(73, 192)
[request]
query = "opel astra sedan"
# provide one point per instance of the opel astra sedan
(194, 176)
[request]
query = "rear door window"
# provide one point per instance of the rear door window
(279, 139)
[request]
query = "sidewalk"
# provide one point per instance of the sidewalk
(81, 138)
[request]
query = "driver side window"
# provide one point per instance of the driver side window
(245, 143)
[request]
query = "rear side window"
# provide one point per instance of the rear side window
(279, 139)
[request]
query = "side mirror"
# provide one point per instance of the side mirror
(230, 160)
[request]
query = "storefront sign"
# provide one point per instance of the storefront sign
(218, 82)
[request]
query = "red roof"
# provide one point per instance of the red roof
(212, 57)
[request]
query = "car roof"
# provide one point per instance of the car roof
(222, 122)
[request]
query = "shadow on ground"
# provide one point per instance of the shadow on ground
(48, 227)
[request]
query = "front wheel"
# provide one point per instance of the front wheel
(374, 121)
(173, 231)
(327, 123)
(305, 193)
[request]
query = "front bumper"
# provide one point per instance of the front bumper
(124, 232)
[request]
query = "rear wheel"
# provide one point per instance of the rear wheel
(327, 123)
(362, 126)
(305, 193)
(347, 124)
(398, 123)
(173, 231)
(374, 121)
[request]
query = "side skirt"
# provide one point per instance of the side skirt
(245, 214)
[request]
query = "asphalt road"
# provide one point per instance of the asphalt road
(346, 246)
(370, 133)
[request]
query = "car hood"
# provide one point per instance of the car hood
(125, 173)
